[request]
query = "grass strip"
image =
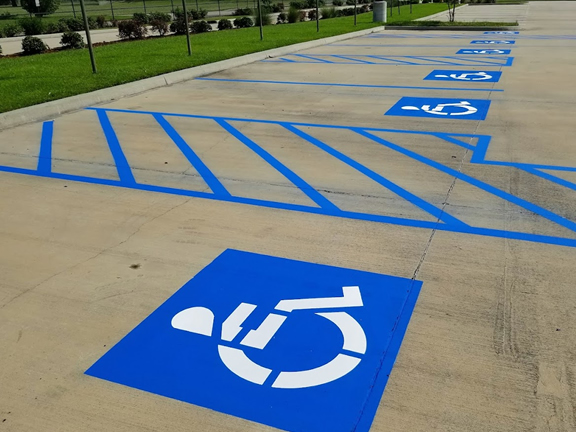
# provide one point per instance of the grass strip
(26, 81)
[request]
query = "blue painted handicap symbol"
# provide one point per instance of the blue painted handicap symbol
(463, 109)
(294, 345)
(501, 32)
(484, 51)
(493, 42)
(463, 75)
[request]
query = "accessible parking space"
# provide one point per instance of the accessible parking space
(372, 235)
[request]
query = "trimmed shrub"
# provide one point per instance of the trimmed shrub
(242, 12)
(11, 30)
(349, 2)
(337, 2)
(243, 22)
(32, 26)
(266, 20)
(159, 22)
(72, 40)
(225, 24)
(56, 27)
(178, 26)
(131, 29)
(33, 45)
(297, 4)
(200, 27)
(140, 17)
(282, 18)
(73, 24)
(92, 23)
(101, 21)
(345, 12)
(293, 15)
(312, 15)
(46, 7)
(199, 14)
(0, 49)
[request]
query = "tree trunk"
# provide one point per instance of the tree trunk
(15, 3)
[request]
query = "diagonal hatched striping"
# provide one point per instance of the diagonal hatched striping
(442, 220)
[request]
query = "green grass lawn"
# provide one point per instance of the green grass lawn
(26, 81)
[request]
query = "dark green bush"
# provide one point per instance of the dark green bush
(242, 12)
(350, 3)
(243, 22)
(225, 24)
(46, 7)
(0, 49)
(178, 26)
(6, 15)
(56, 27)
(33, 45)
(32, 26)
(92, 23)
(312, 15)
(282, 18)
(140, 17)
(293, 15)
(297, 4)
(199, 14)
(159, 22)
(345, 12)
(73, 24)
(131, 29)
(11, 30)
(101, 21)
(200, 27)
(72, 40)
(337, 2)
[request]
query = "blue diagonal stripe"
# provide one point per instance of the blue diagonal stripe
(122, 166)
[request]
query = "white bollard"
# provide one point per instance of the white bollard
(379, 14)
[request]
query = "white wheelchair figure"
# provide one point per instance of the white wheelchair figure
(439, 109)
(200, 320)
(494, 42)
(471, 76)
(495, 51)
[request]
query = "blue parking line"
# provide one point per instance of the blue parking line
(566, 223)
(45, 155)
(346, 85)
(463, 229)
(312, 193)
(122, 166)
(398, 190)
(209, 177)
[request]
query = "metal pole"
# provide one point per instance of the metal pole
(144, 2)
(197, 6)
(317, 18)
(172, 3)
(391, 8)
(398, 6)
(187, 27)
(88, 36)
(73, 8)
(411, 6)
(219, 12)
(355, 11)
(260, 16)
(112, 9)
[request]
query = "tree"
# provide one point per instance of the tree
(452, 9)
(46, 7)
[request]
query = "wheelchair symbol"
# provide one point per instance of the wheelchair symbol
(492, 42)
(439, 109)
(471, 76)
(494, 51)
(200, 320)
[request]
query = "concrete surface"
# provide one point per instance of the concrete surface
(491, 343)
(485, 12)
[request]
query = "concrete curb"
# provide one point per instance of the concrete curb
(52, 109)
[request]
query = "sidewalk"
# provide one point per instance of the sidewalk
(484, 12)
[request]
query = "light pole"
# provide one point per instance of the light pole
(187, 27)
(260, 19)
(88, 39)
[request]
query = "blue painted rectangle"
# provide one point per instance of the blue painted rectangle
(442, 108)
(208, 344)
(493, 42)
(483, 51)
(463, 75)
(501, 32)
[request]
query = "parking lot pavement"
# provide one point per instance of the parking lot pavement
(415, 191)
